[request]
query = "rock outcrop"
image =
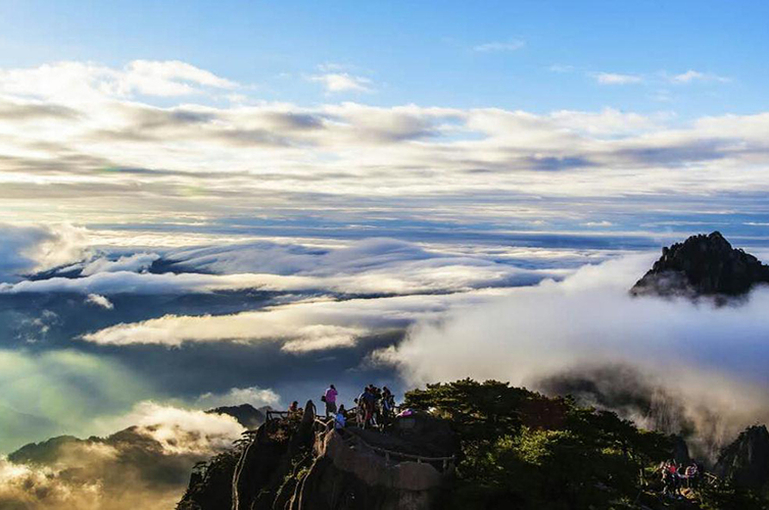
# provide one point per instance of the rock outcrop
(746, 461)
(703, 265)
(348, 475)
(297, 464)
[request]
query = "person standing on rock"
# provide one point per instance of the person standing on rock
(387, 405)
(369, 405)
(330, 399)
(340, 421)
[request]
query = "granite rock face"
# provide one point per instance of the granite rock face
(746, 460)
(702, 265)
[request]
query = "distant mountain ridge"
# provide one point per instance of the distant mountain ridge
(149, 464)
(49, 450)
(702, 265)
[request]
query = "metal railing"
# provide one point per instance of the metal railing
(276, 415)
(324, 424)
(445, 462)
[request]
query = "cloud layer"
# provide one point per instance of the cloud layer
(25, 249)
(83, 137)
(371, 266)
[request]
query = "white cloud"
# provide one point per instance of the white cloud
(138, 262)
(499, 46)
(692, 75)
(127, 282)
(257, 397)
(561, 68)
(321, 337)
(100, 301)
(374, 265)
(168, 78)
(37, 248)
(179, 431)
(299, 327)
(295, 325)
(342, 82)
(608, 122)
(77, 82)
(616, 78)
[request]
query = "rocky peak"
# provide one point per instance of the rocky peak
(702, 265)
(746, 460)
(246, 414)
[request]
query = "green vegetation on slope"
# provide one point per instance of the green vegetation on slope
(520, 449)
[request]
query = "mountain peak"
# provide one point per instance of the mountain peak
(702, 265)
(246, 414)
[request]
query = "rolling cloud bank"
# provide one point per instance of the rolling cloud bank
(681, 366)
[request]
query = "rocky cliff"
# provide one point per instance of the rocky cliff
(746, 460)
(702, 265)
(296, 463)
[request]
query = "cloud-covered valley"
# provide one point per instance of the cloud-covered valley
(170, 322)
(557, 319)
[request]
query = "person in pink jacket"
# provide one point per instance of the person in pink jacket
(330, 398)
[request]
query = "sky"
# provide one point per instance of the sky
(225, 202)
(535, 56)
(626, 121)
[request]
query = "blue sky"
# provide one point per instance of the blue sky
(427, 52)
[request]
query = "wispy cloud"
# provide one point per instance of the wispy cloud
(299, 328)
(498, 46)
(692, 76)
(100, 301)
(662, 78)
(616, 78)
(342, 82)
(561, 68)
(257, 397)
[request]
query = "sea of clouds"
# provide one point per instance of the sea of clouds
(682, 366)
(562, 322)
